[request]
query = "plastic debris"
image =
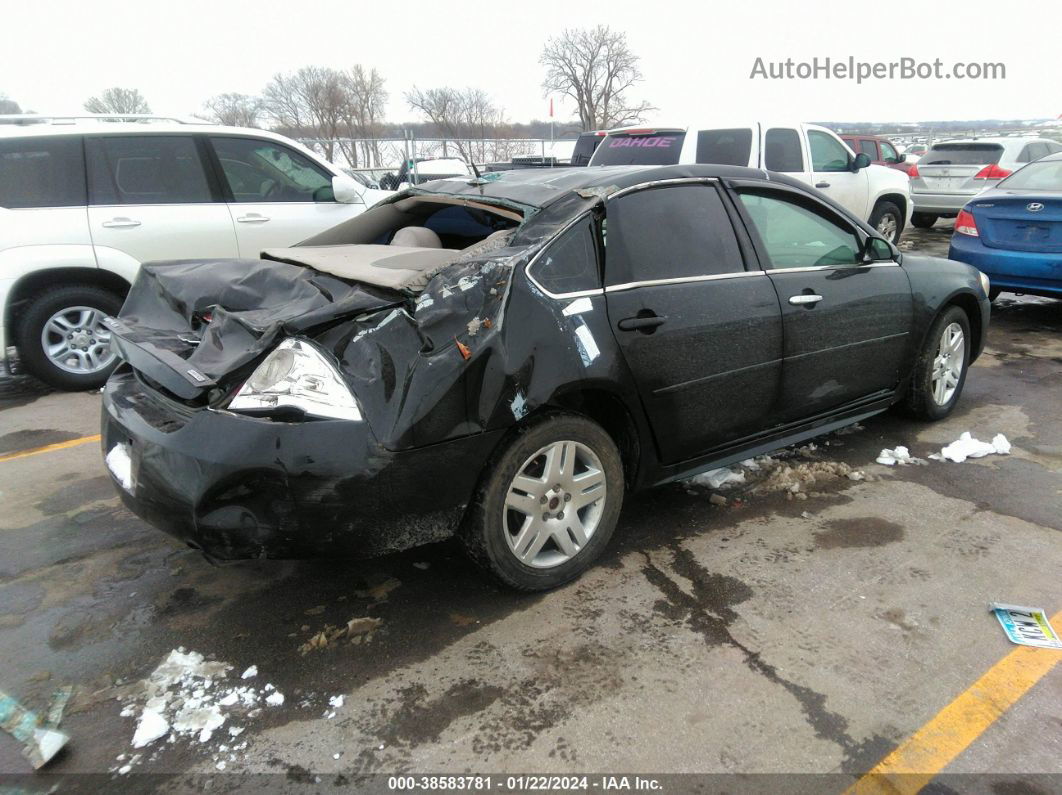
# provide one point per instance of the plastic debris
(40, 737)
(899, 455)
(717, 478)
(1026, 626)
(968, 447)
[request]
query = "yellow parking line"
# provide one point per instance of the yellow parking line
(930, 749)
(49, 448)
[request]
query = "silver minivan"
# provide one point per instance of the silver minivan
(952, 172)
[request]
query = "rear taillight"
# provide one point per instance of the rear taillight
(966, 225)
(992, 172)
(912, 172)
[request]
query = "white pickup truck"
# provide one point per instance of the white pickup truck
(880, 196)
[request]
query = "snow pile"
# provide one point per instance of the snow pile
(968, 447)
(190, 696)
(899, 455)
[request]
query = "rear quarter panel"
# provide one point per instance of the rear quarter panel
(937, 283)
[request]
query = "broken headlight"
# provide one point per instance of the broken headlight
(297, 377)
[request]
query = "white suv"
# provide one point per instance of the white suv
(815, 155)
(85, 200)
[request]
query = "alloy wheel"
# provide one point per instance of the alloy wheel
(554, 504)
(887, 227)
(75, 340)
(948, 364)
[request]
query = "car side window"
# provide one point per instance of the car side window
(781, 150)
(796, 236)
(827, 153)
(729, 147)
(888, 152)
(869, 148)
(257, 170)
(148, 169)
(1025, 155)
(42, 172)
(670, 232)
(569, 263)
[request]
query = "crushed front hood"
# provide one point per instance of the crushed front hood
(189, 324)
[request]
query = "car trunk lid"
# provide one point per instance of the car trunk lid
(194, 326)
(1020, 223)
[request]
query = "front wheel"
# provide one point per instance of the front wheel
(547, 504)
(941, 367)
(888, 220)
(62, 339)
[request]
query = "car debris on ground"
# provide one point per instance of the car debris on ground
(1026, 626)
(41, 740)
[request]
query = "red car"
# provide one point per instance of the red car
(880, 151)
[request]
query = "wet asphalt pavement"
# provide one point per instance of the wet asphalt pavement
(776, 634)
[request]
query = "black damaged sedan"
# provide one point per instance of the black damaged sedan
(502, 358)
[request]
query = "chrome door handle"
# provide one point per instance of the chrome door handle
(120, 223)
(797, 300)
(822, 184)
(252, 218)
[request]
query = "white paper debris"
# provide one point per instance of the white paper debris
(968, 447)
(250, 672)
(899, 455)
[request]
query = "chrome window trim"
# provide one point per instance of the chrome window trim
(615, 288)
(812, 268)
(658, 182)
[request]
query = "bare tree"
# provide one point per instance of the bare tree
(364, 113)
(311, 98)
(234, 110)
(466, 117)
(594, 67)
(118, 100)
(8, 105)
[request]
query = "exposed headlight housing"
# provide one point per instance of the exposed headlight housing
(986, 284)
(297, 376)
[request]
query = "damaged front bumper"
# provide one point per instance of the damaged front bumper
(236, 486)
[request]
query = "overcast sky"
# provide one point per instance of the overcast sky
(696, 56)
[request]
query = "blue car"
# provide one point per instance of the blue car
(1013, 232)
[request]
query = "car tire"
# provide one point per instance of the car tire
(520, 536)
(938, 363)
(888, 221)
(63, 308)
(923, 220)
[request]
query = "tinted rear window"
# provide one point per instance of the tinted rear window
(1045, 175)
(962, 155)
(657, 149)
(726, 147)
(585, 145)
(781, 150)
(42, 172)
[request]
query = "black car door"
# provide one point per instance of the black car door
(846, 317)
(701, 334)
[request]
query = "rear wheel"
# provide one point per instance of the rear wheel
(62, 339)
(547, 505)
(941, 367)
(923, 220)
(888, 220)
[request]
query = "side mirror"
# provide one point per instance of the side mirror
(901, 158)
(347, 190)
(862, 160)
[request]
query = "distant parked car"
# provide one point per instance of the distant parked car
(1013, 233)
(915, 151)
(85, 200)
(809, 153)
(881, 151)
(953, 172)
(424, 170)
